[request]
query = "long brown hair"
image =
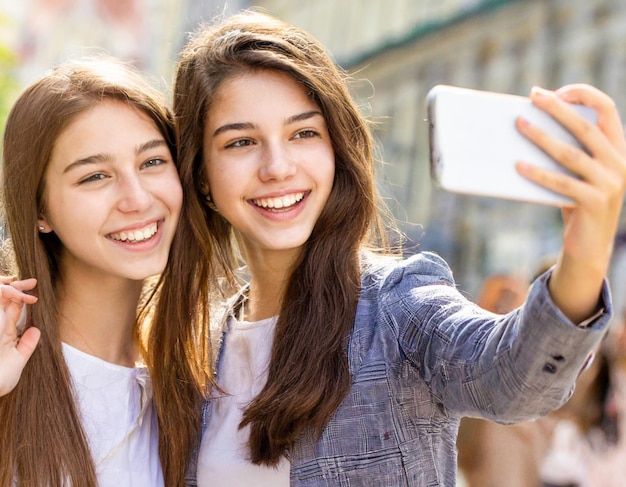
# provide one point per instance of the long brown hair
(308, 374)
(41, 438)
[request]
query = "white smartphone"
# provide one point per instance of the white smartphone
(474, 144)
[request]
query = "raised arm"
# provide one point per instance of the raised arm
(589, 226)
(15, 350)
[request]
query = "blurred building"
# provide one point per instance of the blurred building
(404, 47)
(45, 32)
(400, 48)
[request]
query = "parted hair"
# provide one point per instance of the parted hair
(308, 373)
(41, 439)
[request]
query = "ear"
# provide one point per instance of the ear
(204, 189)
(43, 226)
(206, 195)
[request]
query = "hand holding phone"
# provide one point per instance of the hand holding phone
(474, 144)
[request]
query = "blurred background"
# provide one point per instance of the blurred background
(399, 49)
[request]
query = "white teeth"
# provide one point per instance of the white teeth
(136, 235)
(280, 202)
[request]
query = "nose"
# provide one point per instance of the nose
(134, 195)
(278, 164)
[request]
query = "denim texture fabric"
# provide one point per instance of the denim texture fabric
(422, 356)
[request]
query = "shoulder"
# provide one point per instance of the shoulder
(421, 269)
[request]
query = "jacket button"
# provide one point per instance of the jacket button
(550, 368)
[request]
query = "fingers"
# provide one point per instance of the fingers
(608, 117)
(23, 284)
(12, 310)
(575, 160)
(597, 186)
(603, 140)
(558, 182)
(15, 350)
(7, 279)
(28, 342)
(601, 170)
(13, 357)
(15, 292)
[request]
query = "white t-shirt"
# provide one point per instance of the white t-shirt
(224, 455)
(118, 417)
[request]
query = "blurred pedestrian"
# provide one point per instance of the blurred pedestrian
(578, 445)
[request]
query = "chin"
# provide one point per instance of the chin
(146, 273)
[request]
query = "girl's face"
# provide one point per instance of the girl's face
(112, 194)
(269, 160)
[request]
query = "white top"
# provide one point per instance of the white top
(224, 455)
(118, 417)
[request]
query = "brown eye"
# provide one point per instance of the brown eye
(240, 143)
(93, 177)
(306, 134)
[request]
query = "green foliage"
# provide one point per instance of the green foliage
(8, 83)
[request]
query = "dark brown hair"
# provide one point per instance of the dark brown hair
(308, 374)
(41, 438)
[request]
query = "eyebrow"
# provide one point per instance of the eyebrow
(233, 126)
(303, 116)
(105, 156)
(151, 144)
(248, 125)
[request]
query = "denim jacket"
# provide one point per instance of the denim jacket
(421, 357)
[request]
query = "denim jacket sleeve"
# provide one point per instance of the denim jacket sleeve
(507, 368)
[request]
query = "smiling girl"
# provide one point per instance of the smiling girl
(338, 366)
(92, 200)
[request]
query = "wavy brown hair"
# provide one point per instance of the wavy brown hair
(308, 373)
(41, 439)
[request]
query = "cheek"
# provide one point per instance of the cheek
(223, 180)
(329, 170)
(175, 202)
(175, 195)
(211, 174)
(61, 211)
(73, 224)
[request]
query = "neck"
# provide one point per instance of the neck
(268, 282)
(98, 318)
(262, 302)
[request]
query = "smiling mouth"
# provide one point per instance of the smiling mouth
(280, 203)
(138, 235)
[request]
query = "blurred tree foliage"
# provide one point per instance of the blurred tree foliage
(8, 83)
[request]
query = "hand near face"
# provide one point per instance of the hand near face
(598, 192)
(14, 351)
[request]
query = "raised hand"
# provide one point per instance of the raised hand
(15, 350)
(598, 192)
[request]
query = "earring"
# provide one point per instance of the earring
(208, 201)
(41, 228)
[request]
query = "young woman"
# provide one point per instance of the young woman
(92, 200)
(338, 367)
